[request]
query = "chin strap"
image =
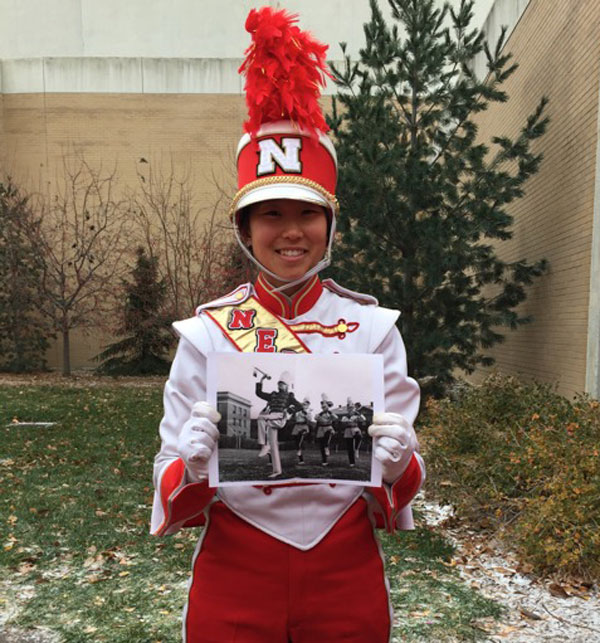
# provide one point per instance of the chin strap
(289, 283)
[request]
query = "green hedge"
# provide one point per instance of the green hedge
(527, 460)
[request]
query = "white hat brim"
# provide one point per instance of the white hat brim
(282, 191)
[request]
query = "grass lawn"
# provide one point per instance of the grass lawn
(75, 554)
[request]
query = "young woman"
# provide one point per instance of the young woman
(281, 563)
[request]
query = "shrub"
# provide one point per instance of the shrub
(526, 458)
(24, 332)
(144, 349)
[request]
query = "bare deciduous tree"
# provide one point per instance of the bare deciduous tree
(197, 257)
(82, 238)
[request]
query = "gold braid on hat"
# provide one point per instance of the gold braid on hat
(272, 180)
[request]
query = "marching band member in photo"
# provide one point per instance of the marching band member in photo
(325, 431)
(262, 438)
(297, 563)
(302, 421)
(351, 422)
(261, 424)
(280, 402)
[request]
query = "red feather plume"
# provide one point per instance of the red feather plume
(285, 69)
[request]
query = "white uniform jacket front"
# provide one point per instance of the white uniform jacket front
(328, 319)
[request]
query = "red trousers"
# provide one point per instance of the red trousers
(248, 587)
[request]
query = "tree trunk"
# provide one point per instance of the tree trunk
(66, 367)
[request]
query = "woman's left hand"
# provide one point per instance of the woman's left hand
(396, 442)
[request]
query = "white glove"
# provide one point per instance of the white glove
(198, 439)
(396, 442)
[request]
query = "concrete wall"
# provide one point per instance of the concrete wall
(159, 28)
(557, 48)
(502, 14)
(169, 28)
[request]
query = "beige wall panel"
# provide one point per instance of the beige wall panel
(85, 344)
(556, 46)
(24, 129)
(197, 131)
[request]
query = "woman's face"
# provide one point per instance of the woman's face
(288, 237)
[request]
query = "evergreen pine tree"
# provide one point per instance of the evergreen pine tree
(423, 201)
(143, 351)
(24, 332)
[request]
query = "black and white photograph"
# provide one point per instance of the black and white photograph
(288, 417)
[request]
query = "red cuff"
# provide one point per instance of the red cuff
(392, 499)
(182, 502)
(407, 485)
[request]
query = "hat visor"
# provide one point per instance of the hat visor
(282, 191)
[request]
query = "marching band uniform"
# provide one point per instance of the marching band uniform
(262, 438)
(352, 433)
(302, 420)
(325, 431)
(271, 564)
(308, 522)
(279, 402)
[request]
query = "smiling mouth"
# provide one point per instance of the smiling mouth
(292, 252)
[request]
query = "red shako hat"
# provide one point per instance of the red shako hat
(285, 153)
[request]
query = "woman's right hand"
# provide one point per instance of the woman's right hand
(198, 439)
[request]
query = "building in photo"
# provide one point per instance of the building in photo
(235, 414)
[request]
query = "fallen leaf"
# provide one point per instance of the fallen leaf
(531, 615)
(505, 571)
(557, 590)
(525, 568)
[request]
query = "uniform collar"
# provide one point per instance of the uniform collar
(284, 306)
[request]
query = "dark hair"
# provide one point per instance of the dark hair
(244, 222)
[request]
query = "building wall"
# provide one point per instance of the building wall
(116, 82)
(167, 29)
(557, 48)
(197, 131)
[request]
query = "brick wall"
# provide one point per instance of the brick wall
(557, 47)
(197, 132)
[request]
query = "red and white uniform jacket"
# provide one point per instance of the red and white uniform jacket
(328, 319)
